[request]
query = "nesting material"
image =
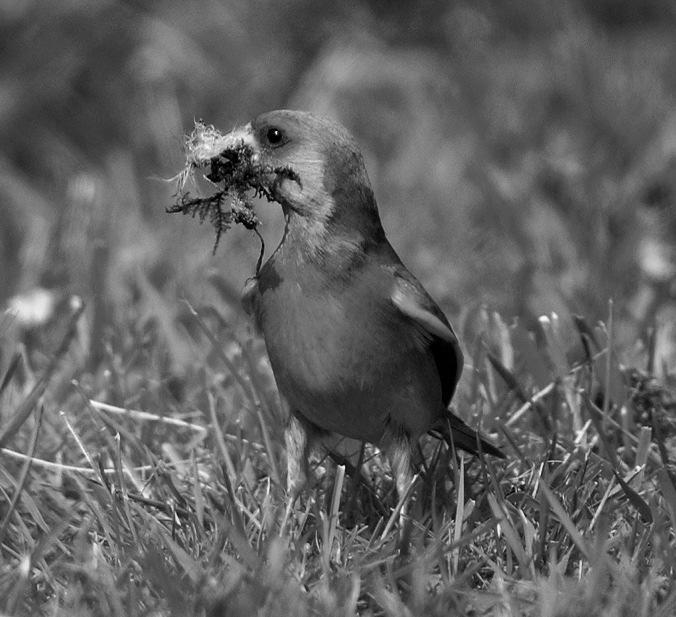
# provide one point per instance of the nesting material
(233, 174)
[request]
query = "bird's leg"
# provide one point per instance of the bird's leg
(297, 448)
(324, 475)
(397, 446)
(400, 459)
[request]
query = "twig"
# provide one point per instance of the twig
(145, 415)
(85, 471)
(530, 402)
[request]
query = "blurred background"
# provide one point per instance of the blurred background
(523, 153)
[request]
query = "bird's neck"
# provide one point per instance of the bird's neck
(334, 239)
(317, 245)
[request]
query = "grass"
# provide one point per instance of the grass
(128, 491)
(142, 463)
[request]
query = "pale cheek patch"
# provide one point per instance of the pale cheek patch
(311, 204)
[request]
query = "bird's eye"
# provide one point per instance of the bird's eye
(275, 136)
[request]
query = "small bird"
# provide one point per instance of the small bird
(356, 344)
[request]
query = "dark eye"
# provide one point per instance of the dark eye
(275, 136)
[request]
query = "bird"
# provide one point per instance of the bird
(356, 344)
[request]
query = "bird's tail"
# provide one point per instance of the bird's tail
(454, 431)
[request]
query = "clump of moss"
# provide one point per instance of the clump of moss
(233, 173)
(231, 168)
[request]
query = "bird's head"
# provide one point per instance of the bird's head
(312, 166)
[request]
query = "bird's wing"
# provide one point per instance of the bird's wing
(407, 299)
(411, 299)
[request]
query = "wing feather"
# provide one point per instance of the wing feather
(414, 302)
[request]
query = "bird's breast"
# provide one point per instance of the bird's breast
(317, 337)
(342, 355)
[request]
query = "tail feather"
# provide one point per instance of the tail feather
(454, 431)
